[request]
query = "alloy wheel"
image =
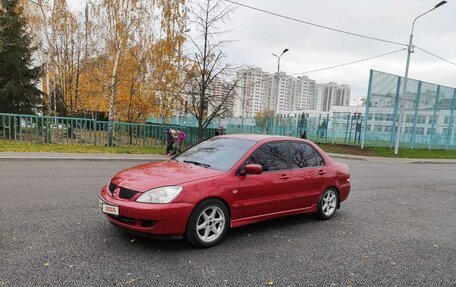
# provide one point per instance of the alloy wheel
(329, 202)
(210, 224)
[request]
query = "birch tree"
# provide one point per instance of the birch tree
(117, 21)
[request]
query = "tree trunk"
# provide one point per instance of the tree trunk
(112, 98)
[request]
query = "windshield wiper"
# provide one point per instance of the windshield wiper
(198, 163)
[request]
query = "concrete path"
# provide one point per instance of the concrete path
(47, 156)
(392, 159)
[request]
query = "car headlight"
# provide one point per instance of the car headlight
(160, 195)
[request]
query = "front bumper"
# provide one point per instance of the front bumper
(152, 220)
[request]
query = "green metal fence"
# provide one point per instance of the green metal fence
(428, 112)
(82, 131)
(340, 128)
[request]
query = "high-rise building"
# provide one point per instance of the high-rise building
(302, 93)
(257, 91)
(221, 96)
(331, 94)
(253, 91)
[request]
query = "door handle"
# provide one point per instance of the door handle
(321, 172)
(284, 176)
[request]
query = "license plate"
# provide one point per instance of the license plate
(111, 209)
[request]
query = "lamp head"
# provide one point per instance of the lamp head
(440, 4)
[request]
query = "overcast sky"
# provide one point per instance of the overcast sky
(258, 35)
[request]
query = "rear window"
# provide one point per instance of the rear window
(303, 155)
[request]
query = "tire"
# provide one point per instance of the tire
(207, 224)
(328, 203)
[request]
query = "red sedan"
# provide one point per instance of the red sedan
(226, 181)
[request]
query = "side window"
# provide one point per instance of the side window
(271, 156)
(303, 155)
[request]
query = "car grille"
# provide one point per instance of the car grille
(133, 221)
(124, 193)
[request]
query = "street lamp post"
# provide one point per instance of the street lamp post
(404, 87)
(277, 91)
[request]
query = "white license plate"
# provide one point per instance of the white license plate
(111, 209)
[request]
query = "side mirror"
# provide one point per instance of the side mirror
(253, 169)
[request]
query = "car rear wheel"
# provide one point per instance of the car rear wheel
(328, 204)
(208, 223)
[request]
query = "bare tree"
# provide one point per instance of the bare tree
(208, 69)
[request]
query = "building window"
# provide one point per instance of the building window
(419, 131)
(378, 128)
(421, 119)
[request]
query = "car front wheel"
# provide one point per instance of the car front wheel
(208, 223)
(328, 204)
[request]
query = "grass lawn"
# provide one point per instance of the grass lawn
(388, 152)
(25, 147)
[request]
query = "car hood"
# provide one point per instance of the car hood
(151, 175)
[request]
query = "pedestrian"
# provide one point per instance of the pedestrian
(220, 131)
(304, 135)
(169, 141)
(179, 141)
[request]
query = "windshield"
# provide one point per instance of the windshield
(216, 153)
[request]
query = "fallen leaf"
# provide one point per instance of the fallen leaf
(393, 263)
(46, 264)
(270, 282)
(132, 280)
(435, 245)
(352, 274)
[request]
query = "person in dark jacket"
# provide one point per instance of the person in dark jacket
(169, 141)
(304, 135)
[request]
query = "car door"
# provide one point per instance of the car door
(308, 174)
(270, 191)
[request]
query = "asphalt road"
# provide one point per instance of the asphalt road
(397, 228)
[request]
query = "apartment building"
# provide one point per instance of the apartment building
(331, 94)
(257, 91)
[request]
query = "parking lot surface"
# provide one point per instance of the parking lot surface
(397, 228)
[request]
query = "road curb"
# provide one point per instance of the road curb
(77, 159)
(80, 159)
(347, 157)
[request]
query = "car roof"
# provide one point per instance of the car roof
(257, 137)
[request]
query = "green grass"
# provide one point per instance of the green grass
(25, 147)
(388, 152)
